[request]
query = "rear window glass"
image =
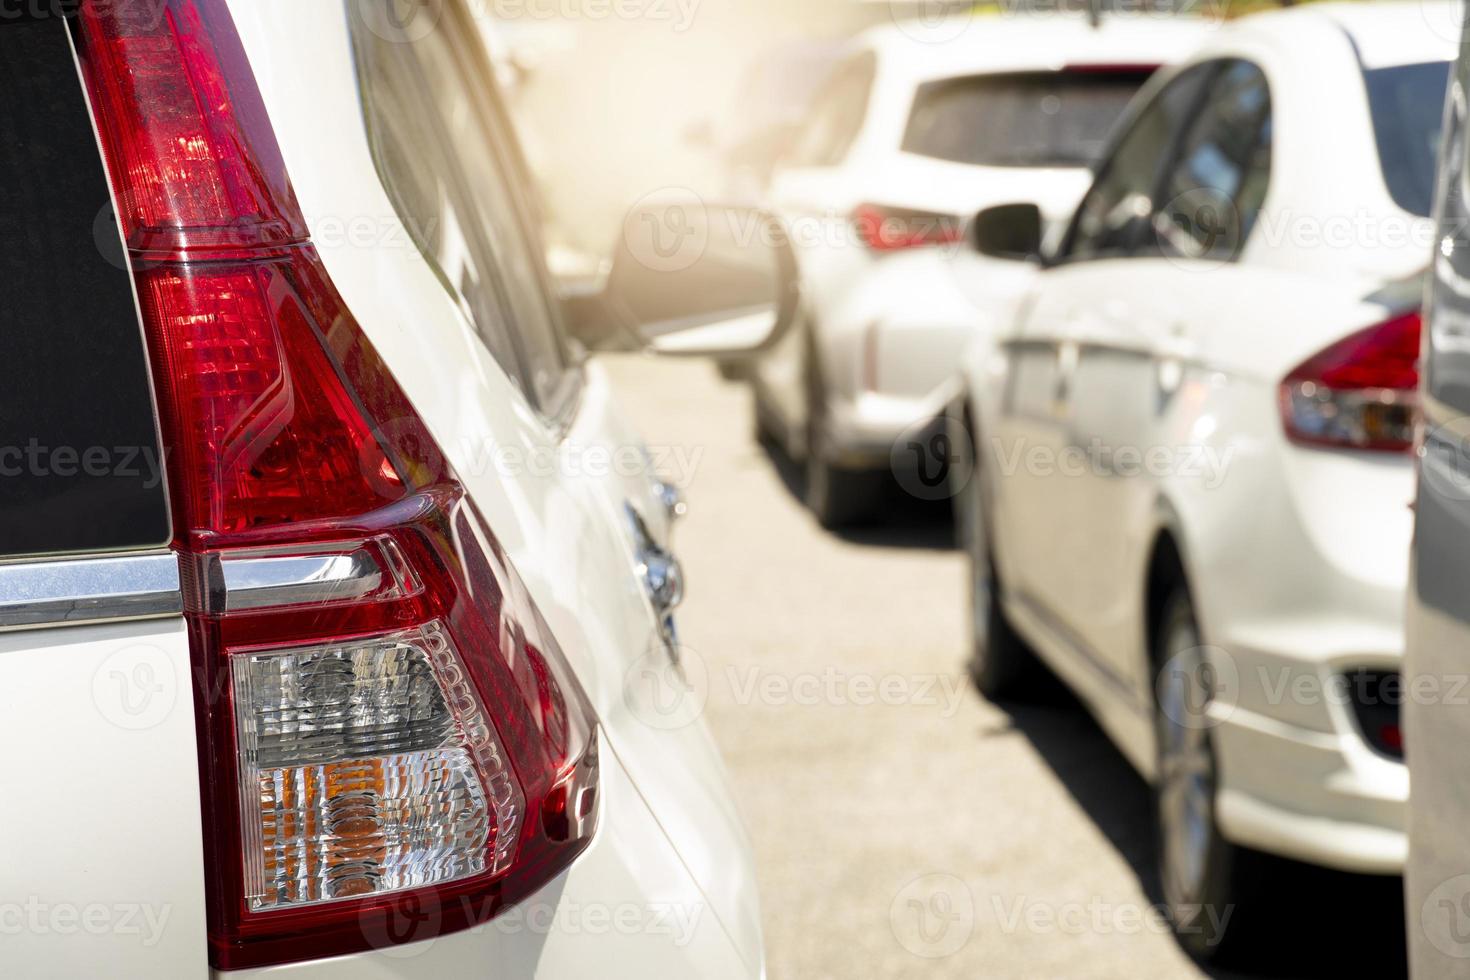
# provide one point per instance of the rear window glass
(1407, 103)
(1031, 119)
(80, 465)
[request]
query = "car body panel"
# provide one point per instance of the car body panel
(105, 871)
(554, 494)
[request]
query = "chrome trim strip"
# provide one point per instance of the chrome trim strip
(261, 581)
(63, 592)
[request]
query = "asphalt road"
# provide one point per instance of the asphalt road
(903, 826)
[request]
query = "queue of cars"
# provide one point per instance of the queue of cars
(1186, 417)
(904, 142)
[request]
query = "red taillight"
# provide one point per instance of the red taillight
(392, 745)
(885, 229)
(1360, 393)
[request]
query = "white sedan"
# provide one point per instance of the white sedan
(1193, 444)
(918, 128)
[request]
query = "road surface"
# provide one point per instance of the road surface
(903, 826)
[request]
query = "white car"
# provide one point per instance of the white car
(913, 134)
(371, 678)
(1193, 475)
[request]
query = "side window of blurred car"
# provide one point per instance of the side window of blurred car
(1113, 217)
(447, 161)
(1213, 194)
(837, 115)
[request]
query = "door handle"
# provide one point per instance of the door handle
(1068, 354)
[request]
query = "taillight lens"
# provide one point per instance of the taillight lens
(886, 229)
(392, 745)
(1360, 393)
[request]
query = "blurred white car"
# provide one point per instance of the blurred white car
(908, 140)
(1193, 445)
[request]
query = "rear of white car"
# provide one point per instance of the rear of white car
(325, 646)
(908, 142)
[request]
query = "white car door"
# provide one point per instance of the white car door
(1138, 345)
(1046, 511)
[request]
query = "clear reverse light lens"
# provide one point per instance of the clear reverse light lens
(357, 770)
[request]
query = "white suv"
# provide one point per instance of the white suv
(364, 679)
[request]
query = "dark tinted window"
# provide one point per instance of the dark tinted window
(80, 466)
(1214, 192)
(1114, 215)
(1408, 109)
(1035, 119)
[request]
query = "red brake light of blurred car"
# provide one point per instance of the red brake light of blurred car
(393, 751)
(1360, 393)
(884, 229)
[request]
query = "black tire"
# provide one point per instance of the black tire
(1205, 880)
(837, 496)
(1002, 665)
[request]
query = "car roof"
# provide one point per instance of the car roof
(999, 42)
(1384, 33)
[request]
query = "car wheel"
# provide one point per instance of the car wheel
(1002, 666)
(1199, 870)
(836, 496)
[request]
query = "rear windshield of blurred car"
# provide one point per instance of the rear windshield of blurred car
(1031, 119)
(1407, 103)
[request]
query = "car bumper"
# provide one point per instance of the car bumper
(872, 430)
(1324, 798)
(626, 908)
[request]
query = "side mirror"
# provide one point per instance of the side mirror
(689, 279)
(1009, 231)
